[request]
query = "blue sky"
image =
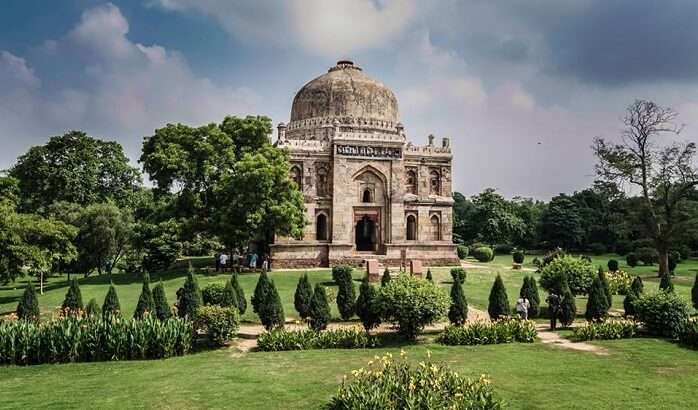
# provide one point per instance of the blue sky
(520, 87)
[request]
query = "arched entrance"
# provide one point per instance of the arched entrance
(366, 237)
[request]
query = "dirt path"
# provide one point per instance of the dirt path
(469, 265)
(547, 336)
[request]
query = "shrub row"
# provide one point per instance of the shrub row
(345, 338)
(608, 329)
(506, 330)
(688, 335)
(77, 338)
(395, 384)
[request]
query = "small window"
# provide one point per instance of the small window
(366, 197)
(435, 228)
(322, 181)
(435, 182)
(411, 182)
(411, 228)
(321, 227)
(297, 177)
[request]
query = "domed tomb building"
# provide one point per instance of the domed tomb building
(369, 193)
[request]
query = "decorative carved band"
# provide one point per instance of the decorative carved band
(370, 152)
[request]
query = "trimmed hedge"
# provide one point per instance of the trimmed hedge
(345, 338)
(606, 330)
(688, 335)
(462, 251)
(483, 254)
(663, 313)
(219, 324)
(507, 330)
(78, 338)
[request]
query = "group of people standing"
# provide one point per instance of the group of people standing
(249, 260)
(553, 299)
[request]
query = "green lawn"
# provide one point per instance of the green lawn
(638, 373)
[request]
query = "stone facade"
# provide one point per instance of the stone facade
(369, 193)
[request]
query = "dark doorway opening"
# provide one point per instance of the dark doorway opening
(365, 234)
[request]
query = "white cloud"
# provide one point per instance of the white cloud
(126, 91)
(324, 27)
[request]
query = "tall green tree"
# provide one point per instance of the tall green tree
(498, 301)
(597, 302)
(190, 301)
(162, 308)
(319, 309)
(561, 223)
(458, 311)
(230, 297)
(75, 168)
(111, 306)
(493, 218)
(28, 307)
(346, 296)
(664, 174)
(146, 301)
(366, 307)
(239, 293)
(105, 235)
(568, 306)
(73, 298)
(303, 296)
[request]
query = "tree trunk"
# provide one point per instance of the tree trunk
(41, 283)
(663, 252)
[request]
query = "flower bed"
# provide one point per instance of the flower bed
(507, 330)
(608, 329)
(347, 338)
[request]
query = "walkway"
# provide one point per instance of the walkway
(547, 336)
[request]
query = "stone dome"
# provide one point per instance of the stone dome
(345, 91)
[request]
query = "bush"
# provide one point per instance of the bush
(662, 313)
(637, 286)
(190, 300)
(643, 243)
(619, 282)
(498, 302)
(631, 259)
(28, 307)
(267, 303)
(219, 324)
(612, 265)
(146, 303)
(386, 383)
(503, 249)
(480, 332)
(606, 330)
(111, 306)
(385, 279)
(597, 303)
(694, 293)
(303, 296)
(462, 251)
(345, 338)
(483, 254)
(239, 294)
(629, 304)
(79, 338)
(366, 307)
(685, 252)
(606, 287)
(92, 309)
(623, 247)
(665, 283)
(568, 307)
(230, 298)
(458, 311)
(458, 275)
(162, 308)
(579, 273)
(688, 335)
(340, 271)
(73, 298)
(518, 257)
(597, 248)
(551, 256)
(648, 256)
(430, 278)
(319, 309)
(529, 290)
(346, 295)
(212, 294)
(411, 304)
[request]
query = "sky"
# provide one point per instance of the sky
(520, 87)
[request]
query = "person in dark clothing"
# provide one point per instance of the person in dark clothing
(553, 309)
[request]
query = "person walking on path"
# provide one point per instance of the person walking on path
(553, 309)
(522, 306)
(224, 261)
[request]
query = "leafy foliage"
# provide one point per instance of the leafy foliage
(606, 330)
(568, 307)
(462, 251)
(162, 308)
(104, 237)
(219, 323)
(303, 296)
(111, 306)
(482, 332)
(663, 313)
(366, 306)
(239, 293)
(391, 384)
(483, 254)
(458, 311)
(319, 309)
(612, 265)
(212, 294)
(411, 304)
(518, 257)
(190, 300)
(385, 279)
(146, 302)
(346, 296)
(229, 297)
(665, 283)
(458, 275)
(73, 298)
(429, 277)
(631, 259)
(28, 307)
(343, 338)
(597, 303)
(266, 303)
(688, 335)
(579, 272)
(92, 309)
(498, 301)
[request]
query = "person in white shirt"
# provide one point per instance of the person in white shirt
(223, 261)
(522, 307)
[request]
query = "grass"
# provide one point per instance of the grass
(637, 373)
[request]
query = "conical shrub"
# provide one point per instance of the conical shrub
(458, 311)
(629, 303)
(429, 277)
(568, 307)
(92, 309)
(190, 300)
(498, 301)
(385, 279)
(606, 288)
(637, 286)
(303, 296)
(111, 305)
(146, 303)
(319, 309)
(366, 307)
(162, 308)
(261, 292)
(28, 307)
(346, 296)
(239, 293)
(597, 302)
(271, 311)
(694, 293)
(229, 298)
(665, 283)
(529, 290)
(73, 297)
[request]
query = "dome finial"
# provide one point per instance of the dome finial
(344, 64)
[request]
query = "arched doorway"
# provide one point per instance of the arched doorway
(365, 230)
(321, 227)
(411, 228)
